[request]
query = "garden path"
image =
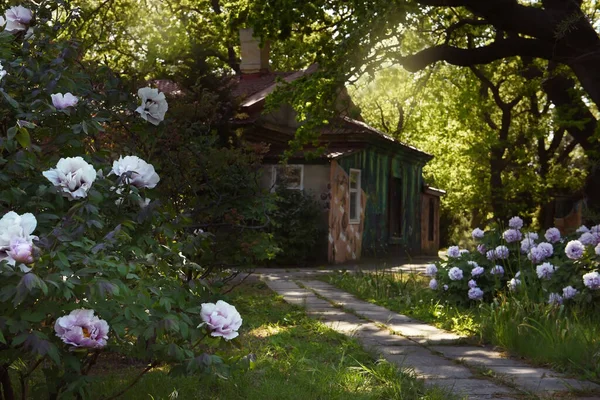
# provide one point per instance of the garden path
(439, 357)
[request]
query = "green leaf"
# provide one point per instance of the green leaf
(23, 138)
(10, 100)
(2, 339)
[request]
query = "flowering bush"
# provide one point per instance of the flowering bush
(83, 266)
(562, 270)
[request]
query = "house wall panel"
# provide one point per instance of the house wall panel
(378, 168)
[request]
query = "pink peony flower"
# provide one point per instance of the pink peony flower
(222, 319)
(81, 328)
(15, 231)
(21, 250)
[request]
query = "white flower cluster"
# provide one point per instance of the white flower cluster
(73, 176)
(16, 239)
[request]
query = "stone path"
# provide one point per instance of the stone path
(441, 358)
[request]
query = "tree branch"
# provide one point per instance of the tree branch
(480, 55)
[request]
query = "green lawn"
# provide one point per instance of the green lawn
(297, 358)
(567, 340)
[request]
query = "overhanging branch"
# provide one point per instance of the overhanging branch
(479, 55)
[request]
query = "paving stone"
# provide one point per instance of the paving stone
(525, 371)
(384, 338)
(417, 357)
(470, 387)
(443, 372)
(404, 351)
(347, 328)
(552, 384)
(477, 356)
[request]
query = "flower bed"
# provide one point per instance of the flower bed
(545, 267)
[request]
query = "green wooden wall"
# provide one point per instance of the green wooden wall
(377, 167)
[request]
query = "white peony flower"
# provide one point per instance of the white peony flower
(453, 252)
(73, 177)
(545, 270)
(513, 284)
(515, 223)
(592, 280)
(16, 236)
(222, 319)
(455, 274)
(138, 172)
(17, 19)
(477, 233)
(569, 292)
(2, 72)
(154, 105)
(555, 299)
(60, 101)
(431, 270)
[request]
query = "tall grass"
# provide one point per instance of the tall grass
(567, 339)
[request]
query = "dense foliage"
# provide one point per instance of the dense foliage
(90, 258)
(299, 228)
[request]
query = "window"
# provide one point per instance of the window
(292, 176)
(354, 191)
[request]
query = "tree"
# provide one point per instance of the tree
(365, 35)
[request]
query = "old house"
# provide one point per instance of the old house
(371, 185)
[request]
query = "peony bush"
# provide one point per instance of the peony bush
(545, 267)
(90, 260)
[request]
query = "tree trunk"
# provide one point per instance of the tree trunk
(497, 187)
(7, 389)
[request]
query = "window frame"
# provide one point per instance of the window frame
(358, 195)
(274, 176)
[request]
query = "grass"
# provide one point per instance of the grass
(296, 358)
(567, 340)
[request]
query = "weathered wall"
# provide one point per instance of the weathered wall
(377, 168)
(345, 239)
(430, 246)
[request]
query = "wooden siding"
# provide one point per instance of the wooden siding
(378, 167)
(428, 246)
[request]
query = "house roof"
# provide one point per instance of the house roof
(269, 84)
(254, 89)
(245, 86)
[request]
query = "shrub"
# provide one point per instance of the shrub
(298, 227)
(89, 258)
(544, 267)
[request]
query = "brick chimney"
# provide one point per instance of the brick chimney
(255, 59)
